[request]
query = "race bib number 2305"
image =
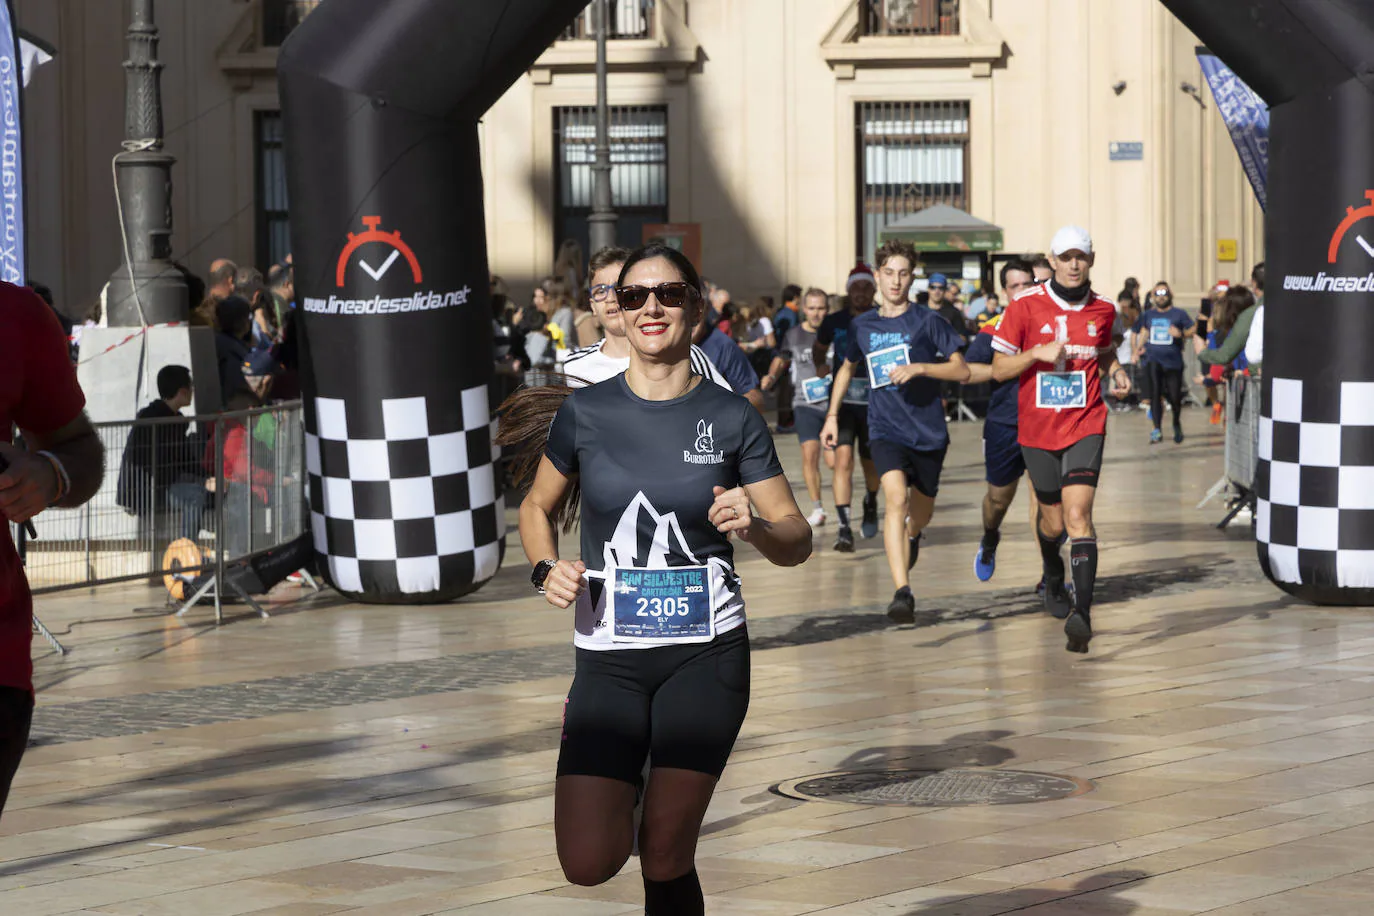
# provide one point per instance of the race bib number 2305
(662, 605)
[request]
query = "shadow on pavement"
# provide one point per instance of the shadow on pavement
(1104, 889)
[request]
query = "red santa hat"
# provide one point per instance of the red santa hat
(861, 273)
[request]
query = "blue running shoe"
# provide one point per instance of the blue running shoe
(869, 527)
(985, 564)
(1156, 437)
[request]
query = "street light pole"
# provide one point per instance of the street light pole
(602, 221)
(146, 289)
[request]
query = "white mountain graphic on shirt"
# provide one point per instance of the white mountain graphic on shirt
(624, 547)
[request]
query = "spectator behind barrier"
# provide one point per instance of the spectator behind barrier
(1246, 336)
(159, 475)
(234, 317)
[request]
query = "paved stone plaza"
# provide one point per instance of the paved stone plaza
(396, 761)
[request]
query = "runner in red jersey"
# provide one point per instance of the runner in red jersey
(1057, 339)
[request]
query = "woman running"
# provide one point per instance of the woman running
(667, 466)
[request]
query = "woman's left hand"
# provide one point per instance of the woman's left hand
(731, 512)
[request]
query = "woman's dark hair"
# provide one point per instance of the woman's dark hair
(1228, 308)
(523, 432)
(680, 261)
(531, 319)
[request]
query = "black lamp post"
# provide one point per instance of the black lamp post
(146, 289)
(602, 220)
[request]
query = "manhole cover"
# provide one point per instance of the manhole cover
(934, 788)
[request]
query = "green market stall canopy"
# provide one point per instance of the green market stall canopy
(944, 228)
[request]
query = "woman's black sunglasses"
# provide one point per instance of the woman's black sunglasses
(669, 295)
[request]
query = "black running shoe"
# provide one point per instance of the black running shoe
(869, 528)
(1079, 630)
(844, 541)
(903, 606)
(913, 552)
(1057, 600)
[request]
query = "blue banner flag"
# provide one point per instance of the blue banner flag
(11, 153)
(1246, 117)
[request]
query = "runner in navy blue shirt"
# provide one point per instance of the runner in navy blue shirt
(731, 361)
(1160, 333)
(832, 342)
(906, 353)
(1001, 450)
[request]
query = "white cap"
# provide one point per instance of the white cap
(1071, 238)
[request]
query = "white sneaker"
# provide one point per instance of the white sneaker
(816, 518)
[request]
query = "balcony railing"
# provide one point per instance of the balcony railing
(908, 17)
(628, 19)
(279, 17)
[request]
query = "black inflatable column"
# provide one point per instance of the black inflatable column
(381, 102)
(1313, 62)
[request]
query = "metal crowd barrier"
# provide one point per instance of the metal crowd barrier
(213, 488)
(1241, 451)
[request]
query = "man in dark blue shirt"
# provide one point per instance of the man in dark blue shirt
(1159, 335)
(906, 352)
(731, 362)
(860, 290)
(1001, 450)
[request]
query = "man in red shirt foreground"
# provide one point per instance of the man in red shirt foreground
(63, 466)
(1057, 339)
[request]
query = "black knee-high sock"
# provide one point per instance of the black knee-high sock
(1083, 555)
(678, 897)
(1049, 554)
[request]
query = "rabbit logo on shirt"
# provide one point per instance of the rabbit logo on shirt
(705, 446)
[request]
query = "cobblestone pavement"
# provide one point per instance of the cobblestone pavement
(149, 712)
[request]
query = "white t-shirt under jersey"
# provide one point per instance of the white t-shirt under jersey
(590, 366)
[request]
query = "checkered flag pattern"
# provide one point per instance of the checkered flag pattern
(1314, 484)
(404, 493)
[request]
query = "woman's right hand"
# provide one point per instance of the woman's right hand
(565, 584)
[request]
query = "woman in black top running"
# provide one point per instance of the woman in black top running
(669, 466)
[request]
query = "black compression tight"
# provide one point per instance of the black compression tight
(678, 897)
(1165, 383)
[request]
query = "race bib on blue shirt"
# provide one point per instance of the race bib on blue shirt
(882, 362)
(1159, 334)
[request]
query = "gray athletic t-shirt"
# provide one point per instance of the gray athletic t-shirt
(797, 350)
(647, 471)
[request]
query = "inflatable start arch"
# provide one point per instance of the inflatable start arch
(1313, 62)
(381, 102)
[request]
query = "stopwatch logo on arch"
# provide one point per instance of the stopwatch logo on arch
(386, 248)
(372, 256)
(1359, 224)
(1353, 216)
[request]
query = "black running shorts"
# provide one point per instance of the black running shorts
(683, 704)
(1051, 471)
(853, 420)
(922, 468)
(16, 715)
